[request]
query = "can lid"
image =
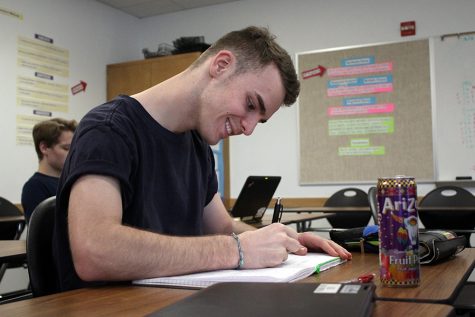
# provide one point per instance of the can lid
(397, 177)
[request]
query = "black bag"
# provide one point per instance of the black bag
(434, 245)
(438, 245)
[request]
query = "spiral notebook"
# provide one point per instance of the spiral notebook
(295, 268)
(275, 300)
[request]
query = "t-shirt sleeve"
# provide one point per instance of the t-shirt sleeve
(100, 151)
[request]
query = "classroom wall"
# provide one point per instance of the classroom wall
(95, 36)
(305, 25)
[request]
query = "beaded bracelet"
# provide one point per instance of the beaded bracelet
(241, 254)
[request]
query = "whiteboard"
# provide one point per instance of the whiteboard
(454, 91)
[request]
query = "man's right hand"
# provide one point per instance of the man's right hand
(269, 246)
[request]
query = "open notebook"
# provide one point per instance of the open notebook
(295, 268)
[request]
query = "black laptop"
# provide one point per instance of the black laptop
(254, 198)
(275, 300)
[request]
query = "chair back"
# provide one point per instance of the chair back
(373, 203)
(448, 196)
(39, 249)
(348, 197)
(10, 230)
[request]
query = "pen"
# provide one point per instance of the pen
(277, 215)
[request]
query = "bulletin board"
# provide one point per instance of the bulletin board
(365, 112)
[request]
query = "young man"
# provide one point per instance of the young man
(52, 140)
(138, 194)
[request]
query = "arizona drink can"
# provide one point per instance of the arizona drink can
(398, 232)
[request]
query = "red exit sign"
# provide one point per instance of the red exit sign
(408, 28)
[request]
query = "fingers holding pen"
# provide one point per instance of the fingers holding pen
(290, 239)
(270, 245)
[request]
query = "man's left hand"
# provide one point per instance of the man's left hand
(317, 243)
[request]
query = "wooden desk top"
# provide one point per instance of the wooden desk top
(398, 309)
(12, 218)
(446, 209)
(290, 218)
(12, 250)
(133, 301)
(299, 219)
(367, 209)
(326, 209)
(439, 283)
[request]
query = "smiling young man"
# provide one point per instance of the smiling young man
(52, 139)
(138, 195)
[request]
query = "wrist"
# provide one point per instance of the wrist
(240, 262)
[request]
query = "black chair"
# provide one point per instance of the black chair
(373, 203)
(449, 196)
(10, 230)
(347, 197)
(39, 250)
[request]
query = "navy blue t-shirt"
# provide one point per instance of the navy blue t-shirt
(166, 179)
(36, 189)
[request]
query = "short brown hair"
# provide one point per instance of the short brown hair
(254, 48)
(49, 131)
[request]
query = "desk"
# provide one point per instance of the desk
(133, 301)
(398, 309)
(12, 218)
(421, 209)
(12, 250)
(367, 209)
(446, 208)
(439, 283)
(326, 209)
(292, 218)
(11, 227)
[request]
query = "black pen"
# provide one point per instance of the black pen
(277, 211)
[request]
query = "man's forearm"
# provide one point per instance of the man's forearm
(135, 254)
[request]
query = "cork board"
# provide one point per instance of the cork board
(364, 113)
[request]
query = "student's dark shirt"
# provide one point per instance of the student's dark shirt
(36, 189)
(166, 179)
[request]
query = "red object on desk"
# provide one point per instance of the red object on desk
(366, 278)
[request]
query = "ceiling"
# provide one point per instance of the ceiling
(148, 8)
